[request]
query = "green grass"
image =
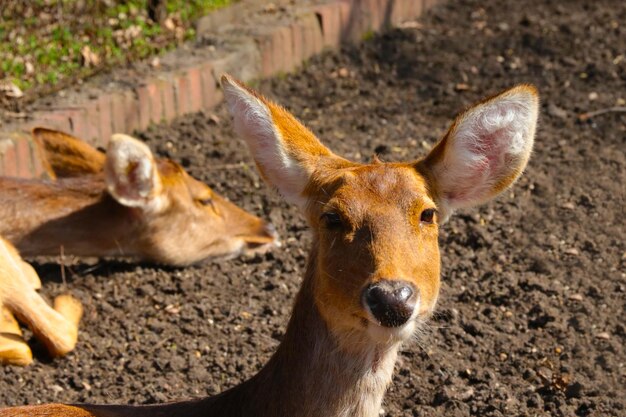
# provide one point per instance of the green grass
(41, 40)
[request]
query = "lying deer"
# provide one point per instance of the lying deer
(373, 273)
(126, 202)
(57, 328)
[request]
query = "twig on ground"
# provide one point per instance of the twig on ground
(62, 256)
(586, 116)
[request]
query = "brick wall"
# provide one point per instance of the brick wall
(278, 47)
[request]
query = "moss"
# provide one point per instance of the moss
(41, 42)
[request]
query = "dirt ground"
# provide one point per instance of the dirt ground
(531, 314)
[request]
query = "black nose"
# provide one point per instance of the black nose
(391, 301)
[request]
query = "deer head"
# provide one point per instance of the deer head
(179, 220)
(376, 255)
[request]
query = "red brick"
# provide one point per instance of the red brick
(329, 15)
(118, 112)
(194, 75)
(266, 50)
(349, 14)
(376, 11)
(72, 120)
(405, 10)
(155, 99)
(38, 170)
(24, 157)
(53, 119)
(182, 89)
(8, 150)
(211, 96)
(143, 101)
(168, 100)
(92, 122)
(105, 118)
(297, 43)
(313, 42)
(131, 111)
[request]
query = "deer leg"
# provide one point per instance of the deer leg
(13, 349)
(30, 275)
(57, 328)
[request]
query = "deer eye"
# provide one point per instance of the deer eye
(428, 216)
(206, 202)
(332, 220)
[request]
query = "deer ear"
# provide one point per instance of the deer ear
(131, 173)
(65, 155)
(485, 150)
(286, 152)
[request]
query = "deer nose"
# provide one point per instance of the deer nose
(391, 301)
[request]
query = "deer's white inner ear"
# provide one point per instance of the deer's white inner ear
(487, 148)
(131, 173)
(254, 123)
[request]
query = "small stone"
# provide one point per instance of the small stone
(556, 111)
(503, 356)
(568, 206)
(603, 336)
(576, 297)
(593, 96)
(574, 390)
(545, 373)
(572, 251)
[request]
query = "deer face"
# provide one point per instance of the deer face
(378, 256)
(376, 225)
(188, 222)
(181, 220)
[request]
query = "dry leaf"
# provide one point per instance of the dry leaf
(90, 58)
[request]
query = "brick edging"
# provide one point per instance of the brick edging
(265, 50)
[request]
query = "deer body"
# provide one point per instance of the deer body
(125, 204)
(45, 216)
(372, 277)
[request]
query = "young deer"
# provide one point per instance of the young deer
(373, 272)
(126, 203)
(57, 328)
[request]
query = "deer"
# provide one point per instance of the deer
(373, 273)
(127, 203)
(56, 327)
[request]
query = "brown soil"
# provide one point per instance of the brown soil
(531, 314)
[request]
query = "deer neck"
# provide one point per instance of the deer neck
(73, 215)
(310, 374)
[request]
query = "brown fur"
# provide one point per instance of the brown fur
(334, 360)
(76, 213)
(56, 327)
(66, 156)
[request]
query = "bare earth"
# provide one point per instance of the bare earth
(531, 314)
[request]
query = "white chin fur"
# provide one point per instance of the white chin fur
(390, 335)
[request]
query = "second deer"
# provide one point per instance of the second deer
(372, 277)
(124, 203)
